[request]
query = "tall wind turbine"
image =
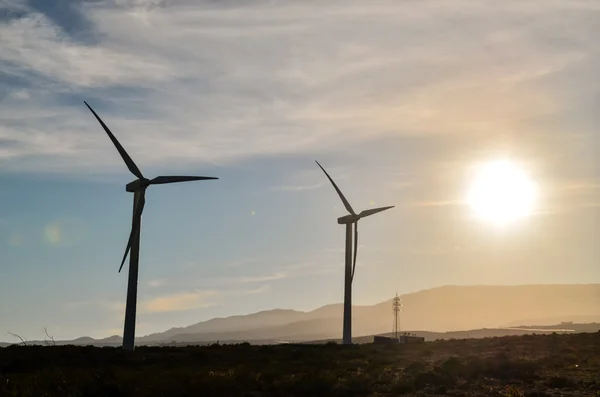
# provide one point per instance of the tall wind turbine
(138, 188)
(349, 220)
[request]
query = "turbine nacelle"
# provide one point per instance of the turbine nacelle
(344, 220)
(137, 185)
(351, 218)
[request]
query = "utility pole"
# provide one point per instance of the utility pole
(397, 305)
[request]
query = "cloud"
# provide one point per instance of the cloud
(569, 195)
(578, 186)
(296, 188)
(178, 302)
(104, 333)
(398, 185)
(16, 240)
(259, 279)
(156, 283)
(314, 267)
(110, 306)
(437, 203)
(255, 291)
(181, 301)
(222, 82)
(281, 270)
(310, 178)
(241, 262)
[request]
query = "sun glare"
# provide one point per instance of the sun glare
(501, 192)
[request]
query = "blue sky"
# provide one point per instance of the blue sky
(399, 101)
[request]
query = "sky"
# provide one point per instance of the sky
(400, 101)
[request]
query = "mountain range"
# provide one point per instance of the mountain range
(448, 310)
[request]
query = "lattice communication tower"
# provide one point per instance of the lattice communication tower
(397, 305)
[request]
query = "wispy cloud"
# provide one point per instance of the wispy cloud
(260, 279)
(437, 203)
(255, 291)
(296, 188)
(579, 186)
(570, 195)
(325, 263)
(398, 185)
(312, 267)
(243, 262)
(110, 306)
(310, 178)
(179, 302)
(175, 302)
(221, 82)
(279, 269)
(111, 332)
(156, 283)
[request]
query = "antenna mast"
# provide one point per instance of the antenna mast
(397, 305)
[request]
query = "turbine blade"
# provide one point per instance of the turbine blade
(339, 192)
(128, 161)
(355, 249)
(373, 211)
(159, 180)
(135, 227)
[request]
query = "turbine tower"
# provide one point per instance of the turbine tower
(138, 188)
(349, 220)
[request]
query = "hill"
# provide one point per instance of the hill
(437, 312)
(443, 309)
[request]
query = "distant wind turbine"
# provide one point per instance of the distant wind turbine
(138, 188)
(349, 220)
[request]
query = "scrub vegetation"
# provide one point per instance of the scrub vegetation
(530, 366)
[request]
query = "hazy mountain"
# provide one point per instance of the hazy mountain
(297, 331)
(477, 333)
(556, 320)
(453, 308)
(191, 339)
(449, 308)
(435, 311)
(267, 318)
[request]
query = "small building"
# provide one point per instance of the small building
(411, 339)
(384, 340)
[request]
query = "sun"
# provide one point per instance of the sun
(501, 192)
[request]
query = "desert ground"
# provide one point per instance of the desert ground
(530, 365)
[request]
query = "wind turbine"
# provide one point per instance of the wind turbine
(349, 220)
(138, 188)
